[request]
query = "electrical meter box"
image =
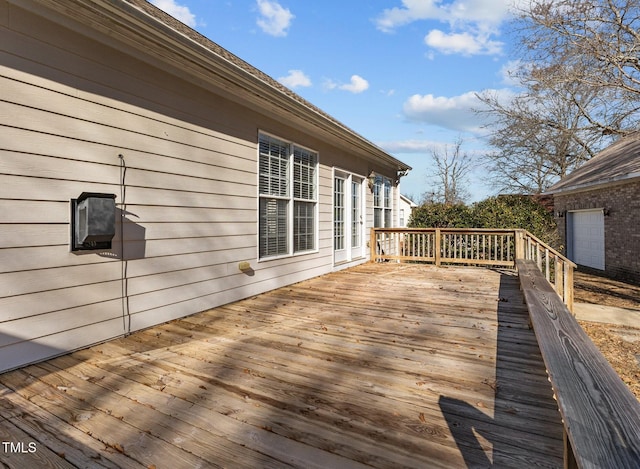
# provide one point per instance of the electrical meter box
(93, 221)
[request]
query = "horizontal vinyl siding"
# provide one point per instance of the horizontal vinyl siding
(189, 213)
(325, 210)
(58, 343)
(200, 208)
(226, 290)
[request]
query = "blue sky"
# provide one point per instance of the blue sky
(402, 73)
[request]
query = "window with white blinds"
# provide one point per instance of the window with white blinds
(274, 167)
(273, 227)
(304, 173)
(288, 197)
(382, 203)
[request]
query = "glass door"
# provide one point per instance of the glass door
(348, 222)
(357, 221)
(339, 220)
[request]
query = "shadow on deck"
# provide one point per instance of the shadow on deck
(382, 365)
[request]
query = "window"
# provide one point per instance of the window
(387, 203)
(288, 197)
(382, 205)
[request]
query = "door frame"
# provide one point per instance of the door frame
(349, 250)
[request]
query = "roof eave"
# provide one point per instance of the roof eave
(127, 22)
(593, 185)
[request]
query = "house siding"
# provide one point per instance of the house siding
(622, 238)
(79, 116)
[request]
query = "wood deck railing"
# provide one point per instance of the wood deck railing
(601, 416)
(488, 247)
(557, 269)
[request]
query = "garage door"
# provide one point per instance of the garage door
(587, 236)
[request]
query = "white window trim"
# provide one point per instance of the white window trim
(291, 199)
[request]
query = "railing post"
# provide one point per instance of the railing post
(437, 246)
(547, 271)
(372, 245)
(559, 280)
(519, 236)
(569, 458)
(538, 257)
(568, 286)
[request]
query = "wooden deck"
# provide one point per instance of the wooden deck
(384, 365)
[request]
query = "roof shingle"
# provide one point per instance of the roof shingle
(618, 162)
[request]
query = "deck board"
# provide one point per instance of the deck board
(382, 365)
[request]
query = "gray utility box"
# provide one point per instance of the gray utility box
(93, 221)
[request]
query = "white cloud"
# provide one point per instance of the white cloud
(462, 43)
(329, 84)
(510, 71)
(409, 146)
(356, 85)
(472, 23)
(295, 79)
(455, 113)
(274, 18)
(179, 12)
(412, 10)
(482, 11)
(466, 11)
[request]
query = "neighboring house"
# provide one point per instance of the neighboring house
(226, 183)
(405, 208)
(598, 211)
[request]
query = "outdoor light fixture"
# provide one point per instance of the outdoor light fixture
(371, 180)
(560, 213)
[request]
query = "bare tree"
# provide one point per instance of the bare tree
(449, 175)
(594, 44)
(538, 137)
(580, 83)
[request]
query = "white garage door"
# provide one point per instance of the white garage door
(588, 238)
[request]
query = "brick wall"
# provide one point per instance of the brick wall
(621, 226)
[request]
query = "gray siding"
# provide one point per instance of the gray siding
(185, 186)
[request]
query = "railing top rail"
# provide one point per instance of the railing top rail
(556, 253)
(600, 414)
(457, 230)
(525, 233)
